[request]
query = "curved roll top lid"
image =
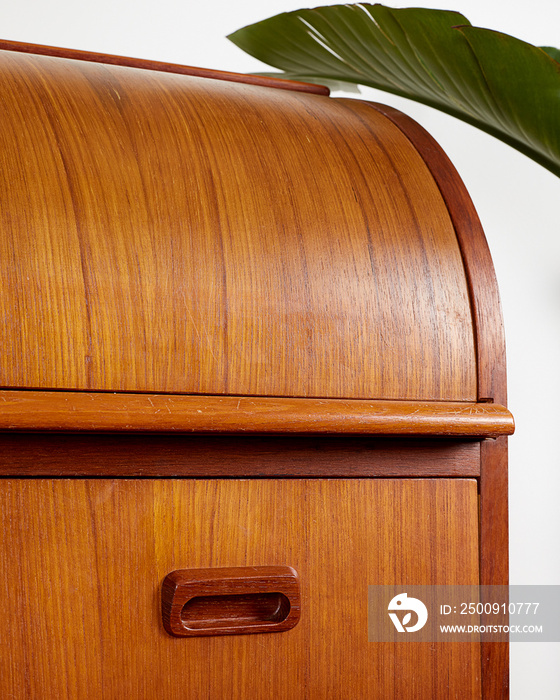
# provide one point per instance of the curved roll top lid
(166, 233)
(287, 257)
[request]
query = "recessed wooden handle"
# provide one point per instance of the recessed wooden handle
(239, 600)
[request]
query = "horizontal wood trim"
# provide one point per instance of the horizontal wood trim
(133, 455)
(81, 411)
(163, 67)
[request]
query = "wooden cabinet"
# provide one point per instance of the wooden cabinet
(88, 557)
(243, 325)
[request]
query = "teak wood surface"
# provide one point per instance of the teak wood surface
(491, 380)
(160, 66)
(94, 455)
(84, 561)
(161, 233)
(164, 233)
(77, 411)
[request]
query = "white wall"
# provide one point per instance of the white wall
(518, 203)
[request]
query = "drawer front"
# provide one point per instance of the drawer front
(83, 562)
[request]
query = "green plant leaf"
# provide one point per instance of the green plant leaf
(500, 84)
(551, 51)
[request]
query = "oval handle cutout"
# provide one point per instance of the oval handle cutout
(202, 602)
(217, 611)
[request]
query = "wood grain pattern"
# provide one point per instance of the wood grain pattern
(307, 266)
(491, 378)
(235, 600)
(79, 551)
(25, 454)
(129, 62)
(164, 233)
(74, 411)
(481, 277)
(494, 555)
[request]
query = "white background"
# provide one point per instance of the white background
(517, 200)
